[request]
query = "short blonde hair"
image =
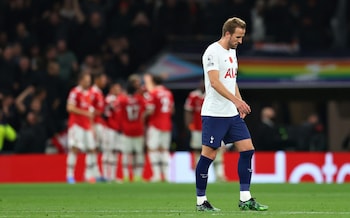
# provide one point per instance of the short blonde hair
(231, 24)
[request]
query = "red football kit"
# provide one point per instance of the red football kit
(112, 112)
(162, 101)
(194, 103)
(98, 102)
(132, 108)
(82, 100)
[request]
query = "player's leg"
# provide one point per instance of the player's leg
(219, 163)
(75, 136)
(106, 149)
(239, 133)
(114, 155)
(196, 145)
(100, 139)
(165, 142)
(90, 158)
(212, 135)
(126, 156)
(153, 136)
(139, 158)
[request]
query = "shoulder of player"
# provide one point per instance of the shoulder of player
(212, 48)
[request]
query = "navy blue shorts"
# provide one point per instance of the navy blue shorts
(226, 129)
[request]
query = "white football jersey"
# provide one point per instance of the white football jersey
(218, 58)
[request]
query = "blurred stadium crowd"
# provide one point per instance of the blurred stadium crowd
(44, 44)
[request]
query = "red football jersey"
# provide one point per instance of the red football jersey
(112, 112)
(162, 101)
(132, 108)
(98, 102)
(194, 103)
(82, 100)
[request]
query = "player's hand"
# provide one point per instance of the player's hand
(90, 114)
(243, 107)
(242, 115)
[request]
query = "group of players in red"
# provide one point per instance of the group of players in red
(124, 120)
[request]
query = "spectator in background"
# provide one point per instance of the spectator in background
(71, 11)
(121, 19)
(279, 28)
(52, 28)
(258, 32)
(32, 99)
(268, 134)
(25, 76)
(215, 13)
(90, 35)
(8, 109)
(32, 135)
(3, 40)
(9, 122)
(314, 24)
(36, 59)
(16, 11)
(118, 66)
(17, 52)
(311, 136)
(141, 40)
(172, 18)
(50, 55)
(7, 71)
(56, 90)
(67, 61)
(24, 37)
(195, 16)
(7, 132)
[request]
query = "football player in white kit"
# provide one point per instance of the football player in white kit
(222, 113)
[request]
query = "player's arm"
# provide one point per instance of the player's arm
(222, 90)
(188, 117)
(71, 108)
(238, 95)
(188, 112)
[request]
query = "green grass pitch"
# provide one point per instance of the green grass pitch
(169, 200)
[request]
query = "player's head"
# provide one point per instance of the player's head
(157, 80)
(134, 84)
(267, 113)
(135, 79)
(100, 79)
(234, 30)
(84, 79)
(116, 88)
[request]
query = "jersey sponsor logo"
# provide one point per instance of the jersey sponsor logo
(230, 73)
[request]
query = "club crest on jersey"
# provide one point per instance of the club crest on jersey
(230, 73)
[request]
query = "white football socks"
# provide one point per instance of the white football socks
(244, 195)
(201, 199)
